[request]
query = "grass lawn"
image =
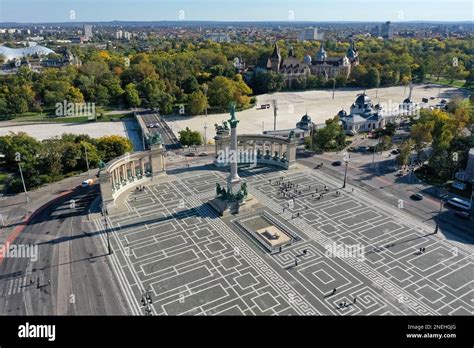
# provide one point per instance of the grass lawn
(3, 181)
(45, 118)
(445, 81)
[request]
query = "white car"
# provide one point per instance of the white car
(151, 125)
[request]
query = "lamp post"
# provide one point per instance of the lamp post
(205, 88)
(345, 175)
(104, 213)
(346, 160)
(87, 160)
(18, 159)
(375, 147)
(205, 137)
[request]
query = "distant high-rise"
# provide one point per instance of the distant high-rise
(309, 34)
(119, 34)
(387, 30)
(87, 32)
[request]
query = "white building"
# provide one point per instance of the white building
(364, 116)
(309, 34)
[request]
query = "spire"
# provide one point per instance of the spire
(276, 52)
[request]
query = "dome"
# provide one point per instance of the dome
(407, 101)
(363, 99)
(321, 54)
(307, 59)
(342, 113)
(305, 119)
(13, 53)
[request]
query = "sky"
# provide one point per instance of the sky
(235, 10)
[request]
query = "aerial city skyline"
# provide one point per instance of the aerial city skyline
(248, 158)
(277, 10)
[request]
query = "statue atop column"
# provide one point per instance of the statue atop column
(233, 178)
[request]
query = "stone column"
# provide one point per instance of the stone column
(233, 178)
(133, 168)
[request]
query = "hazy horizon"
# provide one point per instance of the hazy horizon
(57, 11)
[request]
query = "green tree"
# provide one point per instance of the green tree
(197, 103)
(188, 137)
(131, 95)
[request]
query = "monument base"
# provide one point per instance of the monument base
(225, 208)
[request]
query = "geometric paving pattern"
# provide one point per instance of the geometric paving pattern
(195, 263)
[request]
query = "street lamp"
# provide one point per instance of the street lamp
(104, 213)
(205, 137)
(346, 160)
(205, 88)
(18, 159)
(375, 147)
(87, 160)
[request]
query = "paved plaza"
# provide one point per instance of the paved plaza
(169, 241)
(319, 104)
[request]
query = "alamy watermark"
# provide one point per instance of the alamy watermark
(66, 108)
(240, 156)
(345, 251)
(21, 251)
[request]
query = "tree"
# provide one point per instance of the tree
(373, 78)
(131, 95)
(197, 103)
(331, 137)
(113, 146)
(421, 134)
(403, 158)
(267, 82)
(187, 137)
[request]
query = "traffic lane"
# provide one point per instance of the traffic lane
(44, 229)
(382, 182)
(382, 188)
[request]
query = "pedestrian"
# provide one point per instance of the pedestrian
(296, 262)
(334, 291)
(423, 249)
(352, 189)
(355, 299)
(279, 250)
(305, 251)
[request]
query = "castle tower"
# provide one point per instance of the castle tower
(275, 59)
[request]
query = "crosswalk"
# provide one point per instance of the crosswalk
(15, 286)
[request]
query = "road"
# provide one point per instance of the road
(160, 126)
(71, 275)
(387, 187)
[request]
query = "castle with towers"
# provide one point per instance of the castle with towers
(320, 65)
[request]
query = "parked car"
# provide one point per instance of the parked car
(151, 125)
(265, 106)
(417, 196)
(203, 154)
(395, 152)
(336, 163)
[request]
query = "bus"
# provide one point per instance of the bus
(460, 203)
